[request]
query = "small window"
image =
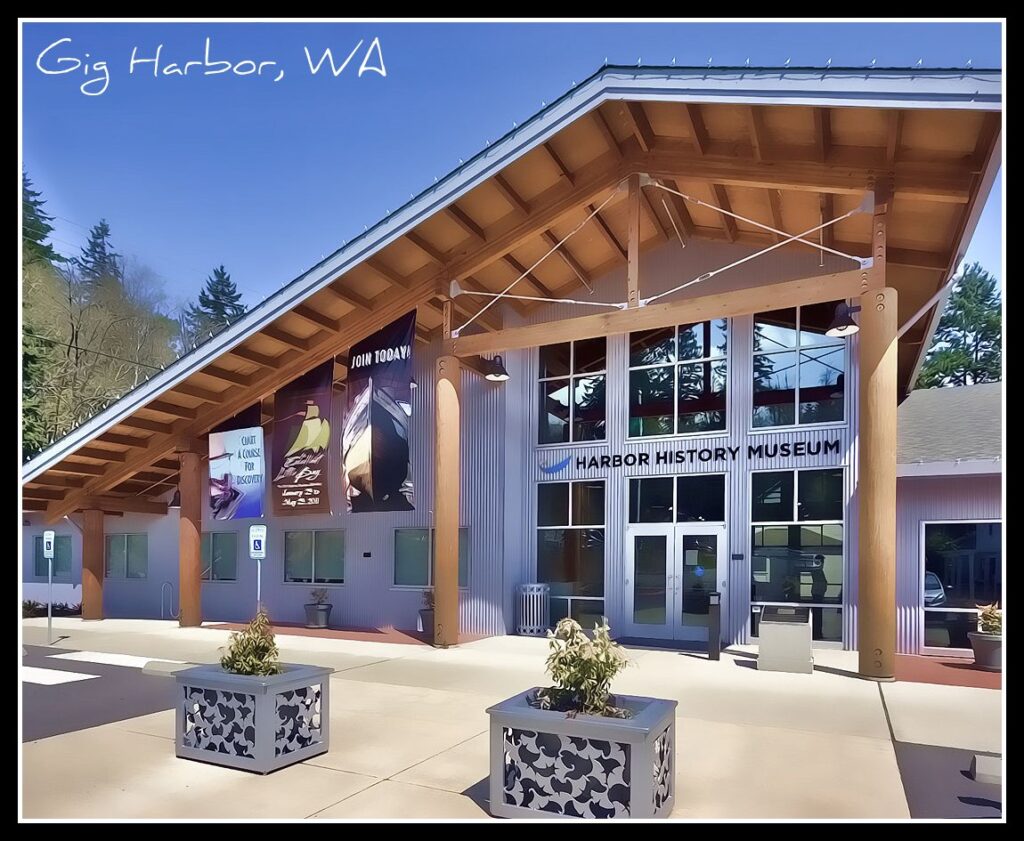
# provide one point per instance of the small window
(651, 501)
(820, 495)
(314, 557)
(61, 557)
(572, 391)
(799, 371)
(413, 566)
(127, 556)
(683, 499)
(220, 558)
(771, 497)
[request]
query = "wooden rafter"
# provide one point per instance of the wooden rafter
(353, 299)
(640, 125)
(256, 358)
(172, 409)
(127, 504)
(606, 132)
(563, 170)
(695, 122)
(313, 316)
(758, 135)
(828, 235)
(775, 203)
(433, 253)
(895, 134)
(283, 337)
(722, 200)
(652, 214)
(100, 453)
(233, 377)
(577, 269)
(385, 271)
(195, 391)
(520, 269)
(823, 133)
(510, 195)
(61, 481)
(462, 219)
(135, 422)
(678, 210)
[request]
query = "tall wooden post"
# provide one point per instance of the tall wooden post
(190, 533)
(447, 425)
(633, 246)
(93, 550)
(876, 570)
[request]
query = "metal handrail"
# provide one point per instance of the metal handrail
(168, 587)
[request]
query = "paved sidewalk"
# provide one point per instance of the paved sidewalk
(409, 738)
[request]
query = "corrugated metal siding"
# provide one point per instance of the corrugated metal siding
(922, 500)
(661, 269)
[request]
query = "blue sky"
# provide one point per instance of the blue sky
(266, 177)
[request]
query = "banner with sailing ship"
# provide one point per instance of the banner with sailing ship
(302, 436)
(376, 437)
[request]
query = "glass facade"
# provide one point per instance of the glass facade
(572, 392)
(127, 556)
(220, 559)
(314, 557)
(413, 567)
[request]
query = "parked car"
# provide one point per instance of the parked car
(934, 592)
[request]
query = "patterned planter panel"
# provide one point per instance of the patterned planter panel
(545, 764)
(255, 723)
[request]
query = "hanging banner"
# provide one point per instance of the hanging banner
(376, 439)
(236, 473)
(302, 435)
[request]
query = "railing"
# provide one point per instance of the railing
(168, 587)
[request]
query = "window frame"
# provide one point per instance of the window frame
(312, 569)
(430, 572)
(125, 577)
(211, 580)
(727, 358)
(36, 558)
(675, 477)
(572, 375)
(603, 527)
(798, 349)
(752, 524)
(922, 561)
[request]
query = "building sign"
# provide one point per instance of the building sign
(698, 455)
(258, 542)
(302, 437)
(236, 473)
(376, 439)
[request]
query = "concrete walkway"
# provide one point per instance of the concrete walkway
(409, 730)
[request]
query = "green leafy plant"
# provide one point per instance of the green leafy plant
(582, 669)
(319, 595)
(254, 650)
(30, 608)
(990, 619)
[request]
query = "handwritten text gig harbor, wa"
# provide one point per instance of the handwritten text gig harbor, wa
(61, 58)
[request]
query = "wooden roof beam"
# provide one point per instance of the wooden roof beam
(775, 203)
(758, 135)
(652, 214)
(828, 235)
(42, 493)
(435, 254)
(563, 170)
(124, 504)
(577, 269)
(477, 286)
(256, 358)
(606, 132)
(78, 468)
(510, 195)
(233, 377)
(172, 409)
(640, 125)
(100, 453)
(135, 422)
(353, 299)
(606, 232)
(312, 316)
(520, 269)
(722, 200)
(462, 219)
(283, 337)
(895, 134)
(698, 132)
(62, 481)
(189, 390)
(823, 133)
(386, 272)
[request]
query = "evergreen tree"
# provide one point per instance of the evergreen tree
(967, 347)
(220, 303)
(98, 263)
(33, 424)
(35, 226)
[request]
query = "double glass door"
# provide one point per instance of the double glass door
(670, 571)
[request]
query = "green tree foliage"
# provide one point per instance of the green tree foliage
(220, 303)
(254, 650)
(967, 347)
(98, 264)
(35, 226)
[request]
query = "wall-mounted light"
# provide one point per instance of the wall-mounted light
(496, 371)
(175, 500)
(413, 383)
(843, 324)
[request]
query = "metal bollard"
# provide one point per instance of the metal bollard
(714, 626)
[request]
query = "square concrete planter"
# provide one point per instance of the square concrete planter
(247, 721)
(545, 764)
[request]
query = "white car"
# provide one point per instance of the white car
(934, 592)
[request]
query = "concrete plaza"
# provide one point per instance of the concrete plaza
(408, 733)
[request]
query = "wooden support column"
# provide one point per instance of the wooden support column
(93, 550)
(446, 500)
(190, 532)
(633, 248)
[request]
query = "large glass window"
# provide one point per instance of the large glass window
(220, 556)
(962, 569)
(572, 391)
(314, 557)
(413, 556)
(677, 379)
(61, 557)
(682, 499)
(570, 548)
(797, 554)
(127, 556)
(799, 372)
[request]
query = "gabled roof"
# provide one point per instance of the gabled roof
(936, 131)
(952, 425)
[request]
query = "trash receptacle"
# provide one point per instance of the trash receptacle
(785, 639)
(534, 610)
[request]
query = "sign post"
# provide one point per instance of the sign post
(257, 552)
(48, 541)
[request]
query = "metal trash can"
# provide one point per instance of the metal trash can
(784, 635)
(534, 610)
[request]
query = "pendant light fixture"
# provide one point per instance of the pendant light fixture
(175, 500)
(843, 324)
(496, 371)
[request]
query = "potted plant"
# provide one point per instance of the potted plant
(427, 612)
(987, 641)
(318, 611)
(252, 711)
(576, 750)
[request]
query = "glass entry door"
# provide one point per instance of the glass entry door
(670, 570)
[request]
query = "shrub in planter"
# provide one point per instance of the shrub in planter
(31, 608)
(318, 611)
(427, 613)
(987, 641)
(576, 750)
(252, 711)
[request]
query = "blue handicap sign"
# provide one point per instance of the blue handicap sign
(257, 544)
(698, 571)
